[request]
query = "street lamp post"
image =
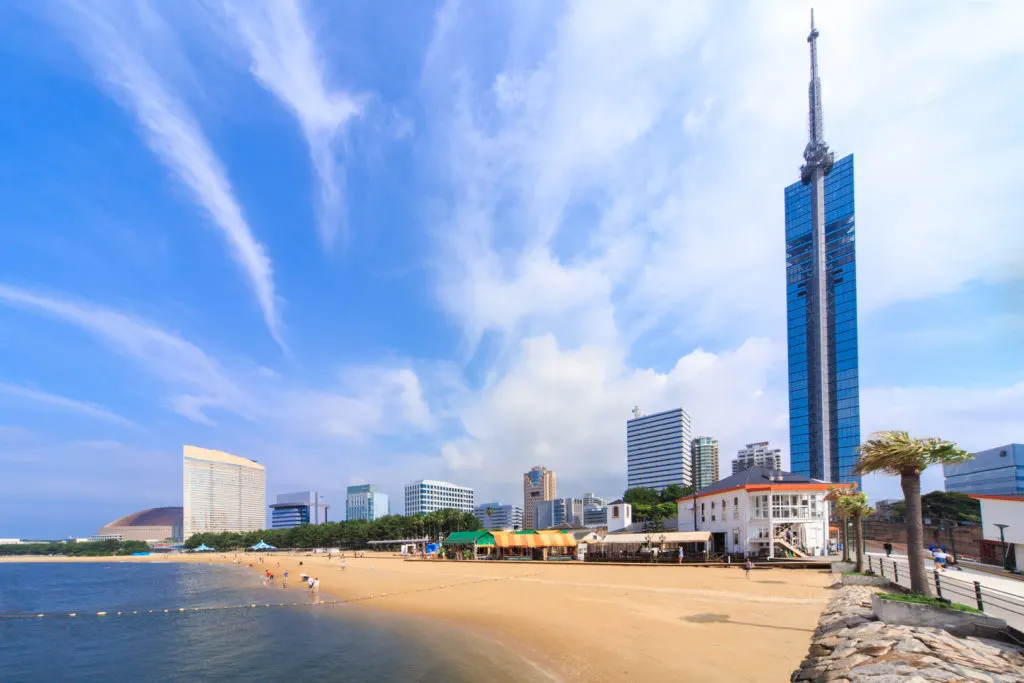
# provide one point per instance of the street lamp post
(1002, 539)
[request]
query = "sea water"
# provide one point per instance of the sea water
(321, 643)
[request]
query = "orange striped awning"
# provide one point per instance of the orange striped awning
(506, 539)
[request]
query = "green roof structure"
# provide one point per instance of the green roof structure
(469, 538)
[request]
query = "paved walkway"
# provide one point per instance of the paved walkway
(1002, 597)
(1006, 584)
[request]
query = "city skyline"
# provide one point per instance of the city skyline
(329, 256)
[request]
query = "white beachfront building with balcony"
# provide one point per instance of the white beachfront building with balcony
(761, 513)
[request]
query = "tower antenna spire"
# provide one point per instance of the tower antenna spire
(816, 153)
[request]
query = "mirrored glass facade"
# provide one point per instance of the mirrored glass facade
(995, 472)
(808, 453)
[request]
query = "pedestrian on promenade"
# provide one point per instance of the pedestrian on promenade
(888, 548)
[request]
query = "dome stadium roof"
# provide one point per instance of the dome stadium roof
(169, 516)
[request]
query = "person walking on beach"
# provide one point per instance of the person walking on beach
(680, 554)
(747, 566)
(342, 565)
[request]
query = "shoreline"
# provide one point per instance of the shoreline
(575, 622)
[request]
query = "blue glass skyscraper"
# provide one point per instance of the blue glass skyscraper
(821, 306)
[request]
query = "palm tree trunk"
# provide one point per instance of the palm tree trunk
(911, 485)
(859, 533)
(846, 539)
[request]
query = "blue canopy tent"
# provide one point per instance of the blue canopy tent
(203, 548)
(262, 545)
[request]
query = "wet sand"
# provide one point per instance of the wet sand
(584, 622)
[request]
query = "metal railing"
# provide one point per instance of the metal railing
(949, 586)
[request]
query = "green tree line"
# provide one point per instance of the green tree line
(71, 549)
(944, 505)
(348, 534)
(654, 508)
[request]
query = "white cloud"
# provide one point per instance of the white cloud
(86, 408)
(285, 60)
(167, 356)
(567, 409)
(362, 402)
(119, 41)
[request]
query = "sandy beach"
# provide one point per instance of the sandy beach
(583, 622)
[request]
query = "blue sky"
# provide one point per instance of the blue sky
(456, 240)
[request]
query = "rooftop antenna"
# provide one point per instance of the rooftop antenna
(816, 153)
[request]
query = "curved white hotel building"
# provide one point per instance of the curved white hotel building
(222, 492)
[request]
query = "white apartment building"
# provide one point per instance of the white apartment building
(761, 513)
(757, 455)
(428, 495)
(222, 492)
(658, 449)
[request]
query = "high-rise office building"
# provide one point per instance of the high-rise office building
(428, 495)
(295, 509)
(704, 450)
(367, 502)
(994, 472)
(549, 513)
(499, 517)
(222, 492)
(757, 455)
(593, 500)
(538, 485)
(821, 306)
(658, 449)
(595, 515)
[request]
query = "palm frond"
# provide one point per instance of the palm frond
(896, 452)
(854, 504)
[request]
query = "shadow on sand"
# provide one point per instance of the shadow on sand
(709, 618)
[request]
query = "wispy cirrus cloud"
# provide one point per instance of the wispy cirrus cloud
(285, 60)
(93, 410)
(354, 402)
(118, 41)
(173, 360)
